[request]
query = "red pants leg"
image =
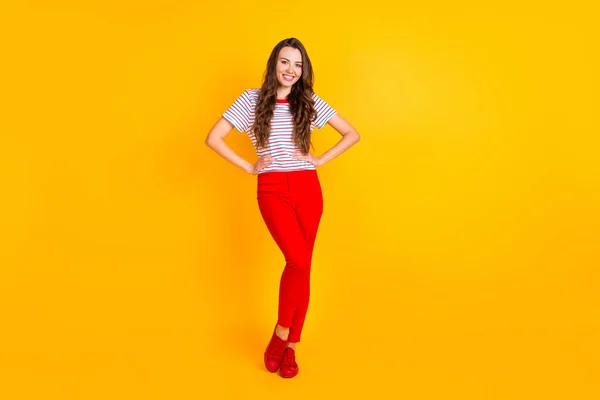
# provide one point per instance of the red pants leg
(291, 204)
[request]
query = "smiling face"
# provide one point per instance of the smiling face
(289, 66)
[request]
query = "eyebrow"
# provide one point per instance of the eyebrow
(283, 58)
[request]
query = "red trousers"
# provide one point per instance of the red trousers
(291, 204)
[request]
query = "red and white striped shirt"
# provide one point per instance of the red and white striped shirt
(281, 143)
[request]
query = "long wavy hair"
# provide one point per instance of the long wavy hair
(300, 99)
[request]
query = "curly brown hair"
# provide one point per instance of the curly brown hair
(300, 99)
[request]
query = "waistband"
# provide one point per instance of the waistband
(285, 175)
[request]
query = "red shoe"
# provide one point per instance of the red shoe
(274, 352)
(288, 368)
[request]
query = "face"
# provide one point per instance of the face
(289, 66)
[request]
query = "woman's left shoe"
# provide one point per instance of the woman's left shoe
(289, 367)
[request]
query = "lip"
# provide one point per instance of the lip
(288, 77)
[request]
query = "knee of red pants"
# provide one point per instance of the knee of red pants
(298, 262)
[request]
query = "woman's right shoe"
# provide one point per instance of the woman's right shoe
(274, 352)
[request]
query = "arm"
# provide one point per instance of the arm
(216, 141)
(349, 137)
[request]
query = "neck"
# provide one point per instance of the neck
(282, 92)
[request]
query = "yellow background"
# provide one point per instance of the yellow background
(458, 254)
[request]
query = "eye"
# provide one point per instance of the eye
(283, 62)
(298, 66)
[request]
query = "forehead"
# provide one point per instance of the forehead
(291, 54)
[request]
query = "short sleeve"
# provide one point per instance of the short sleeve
(324, 112)
(241, 113)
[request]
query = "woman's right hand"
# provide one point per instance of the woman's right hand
(262, 163)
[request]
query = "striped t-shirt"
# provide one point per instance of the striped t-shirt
(281, 143)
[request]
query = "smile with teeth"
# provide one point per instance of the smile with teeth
(288, 77)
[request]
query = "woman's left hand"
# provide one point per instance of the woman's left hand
(298, 155)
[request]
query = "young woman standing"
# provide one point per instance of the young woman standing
(279, 118)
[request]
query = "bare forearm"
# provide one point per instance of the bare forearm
(347, 141)
(221, 148)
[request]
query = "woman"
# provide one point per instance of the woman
(279, 118)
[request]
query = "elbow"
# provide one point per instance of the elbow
(353, 136)
(208, 142)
